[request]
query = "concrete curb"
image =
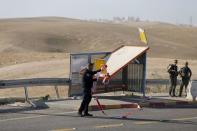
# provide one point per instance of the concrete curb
(150, 104)
(168, 104)
(94, 107)
(145, 104)
(115, 106)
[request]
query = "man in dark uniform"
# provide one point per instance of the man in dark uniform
(173, 71)
(87, 81)
(185, 74)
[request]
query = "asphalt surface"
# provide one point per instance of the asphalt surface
(168, 119)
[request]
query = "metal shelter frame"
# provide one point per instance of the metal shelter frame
(131, 77)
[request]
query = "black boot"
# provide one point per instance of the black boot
(80, 114)
(87, 114)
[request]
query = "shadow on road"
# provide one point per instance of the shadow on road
(120, 118)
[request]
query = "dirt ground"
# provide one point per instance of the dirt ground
(156, 69)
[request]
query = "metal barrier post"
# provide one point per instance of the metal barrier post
(144, 73)
(26, 94)
(27, 98)
(57, 92)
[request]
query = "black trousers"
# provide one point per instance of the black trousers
(184, 83)
(85, 103)
(173, 81)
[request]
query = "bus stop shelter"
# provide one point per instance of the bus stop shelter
(126, 66)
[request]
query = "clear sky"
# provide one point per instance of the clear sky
(173, 11)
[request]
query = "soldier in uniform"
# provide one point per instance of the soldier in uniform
(87, 84)
(185, 74)
(173, 71)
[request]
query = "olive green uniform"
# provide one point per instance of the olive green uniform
(186, 74)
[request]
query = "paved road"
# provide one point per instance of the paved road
(176, 119)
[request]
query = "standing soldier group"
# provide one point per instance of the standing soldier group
(185, 74)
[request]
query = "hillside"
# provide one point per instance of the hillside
(40, 47)
(29, 40)
(61, 35)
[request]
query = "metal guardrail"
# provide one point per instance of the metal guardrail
(54, 82)
(162, 81)
(57, 81)
(34, 82)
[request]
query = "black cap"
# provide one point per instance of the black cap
(186, 63)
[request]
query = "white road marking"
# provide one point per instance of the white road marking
(37, 116)
(109, 125)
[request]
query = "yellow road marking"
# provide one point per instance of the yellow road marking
(108, 126)
(21, 118)
(186, 118)
(177, 119)
(144, 122)
(37, 116)
(61, 113)
(65, 129)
